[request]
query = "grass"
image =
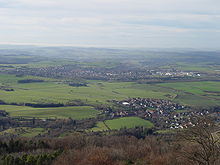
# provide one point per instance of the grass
(100, 126)
(96, 92)
(12, 79)
(197, 88)
(99, 92)
(203, 93)
(125, 122)
(205, 67)
(78, 112)
(196, 100)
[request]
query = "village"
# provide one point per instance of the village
(120, 73)
(163, 113)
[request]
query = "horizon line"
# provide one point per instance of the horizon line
(98, 46)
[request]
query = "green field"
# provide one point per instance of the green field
(204, 93)
(97, 92)
(204, 67)
(125, 122)
(78, 112)
(197, 88)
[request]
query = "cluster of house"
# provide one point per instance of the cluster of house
(96, 73)
(151, 105)
(176, 73)
(183, 119)
(163, 113)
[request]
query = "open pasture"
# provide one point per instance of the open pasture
(197, 88)
(125, 122)
(77, 112)
(97, 92)
(204, 93)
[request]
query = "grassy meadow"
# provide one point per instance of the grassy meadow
(204, 93)
(97, 92)
(76, 112)
(197, 88)
(125, 122)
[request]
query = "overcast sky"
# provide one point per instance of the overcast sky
(112, 23)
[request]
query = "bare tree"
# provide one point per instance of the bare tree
(201, 142)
